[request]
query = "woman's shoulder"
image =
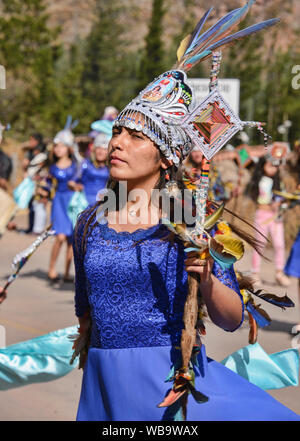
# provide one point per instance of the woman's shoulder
(85, 220)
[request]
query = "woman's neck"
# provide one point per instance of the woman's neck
(64, 162)
(136, 209)
(99, 164)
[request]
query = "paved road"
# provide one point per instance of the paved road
(34, 308)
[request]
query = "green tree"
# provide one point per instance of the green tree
(28, 52)
(152, 62)
(108, 75)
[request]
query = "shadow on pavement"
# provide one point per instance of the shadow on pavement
(277, 325)
(42, 275)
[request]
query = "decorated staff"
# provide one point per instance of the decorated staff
(20, 259)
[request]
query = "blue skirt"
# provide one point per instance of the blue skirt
(127, 384)
(292, 267)
(61, 222)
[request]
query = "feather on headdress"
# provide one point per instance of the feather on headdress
(199, 46)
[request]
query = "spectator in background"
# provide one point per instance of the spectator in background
(5, 169)
(110, 113)
(5, 164)
(32, 147)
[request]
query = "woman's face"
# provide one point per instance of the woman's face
(60, 150)
(270, 169)
(100, 154)
(132, 155)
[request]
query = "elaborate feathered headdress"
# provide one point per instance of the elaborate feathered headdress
(166, 111)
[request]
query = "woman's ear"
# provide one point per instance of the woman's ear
(166, 163)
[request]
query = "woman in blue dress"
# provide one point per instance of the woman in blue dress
(132, 282)
(93, 173)
(62, 170)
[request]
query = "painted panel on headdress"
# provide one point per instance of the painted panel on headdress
(159, 89)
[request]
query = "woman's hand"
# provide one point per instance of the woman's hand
(3, 295)
(74, 186)
(194, 264)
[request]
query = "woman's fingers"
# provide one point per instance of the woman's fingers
(195, 261)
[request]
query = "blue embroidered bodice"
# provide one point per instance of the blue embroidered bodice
(134, 284)
(63, 176)
(93, 179)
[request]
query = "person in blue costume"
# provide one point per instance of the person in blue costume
(134, 276)
(62, 170)
(93, 173)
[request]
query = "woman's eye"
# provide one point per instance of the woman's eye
(136, 135)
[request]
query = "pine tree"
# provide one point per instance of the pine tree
(108, 75)
(152, 62)
(28, 52)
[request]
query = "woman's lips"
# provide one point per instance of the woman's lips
(115, 160)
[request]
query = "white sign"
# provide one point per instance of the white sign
(229, 88)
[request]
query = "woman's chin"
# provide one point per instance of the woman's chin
(117, 174)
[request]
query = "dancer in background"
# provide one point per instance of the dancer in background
(63, 169)
(265, 180)
(93, 172)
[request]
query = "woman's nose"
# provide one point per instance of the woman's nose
(120, 140)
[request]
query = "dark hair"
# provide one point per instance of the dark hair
(38, 137)
(252, 189)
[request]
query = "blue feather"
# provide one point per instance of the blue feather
(244, 33)
(69, 121)
(260, 319)
(197, 31)
(198, 57)
(208, 34)
(237, 16)
(74, 124)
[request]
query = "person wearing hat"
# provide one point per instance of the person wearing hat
(62, 170)
(93, 173)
